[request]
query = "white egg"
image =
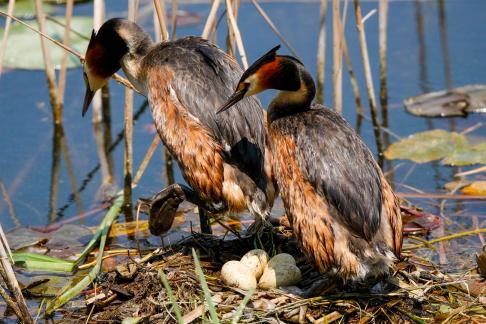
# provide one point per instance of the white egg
(256, 260)
(236, 274)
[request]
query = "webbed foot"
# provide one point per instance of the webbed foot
(162, 208)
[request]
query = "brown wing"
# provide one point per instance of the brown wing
(334, 159)
(204, 76)
(199, 155)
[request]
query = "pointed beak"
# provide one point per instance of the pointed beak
(237, 96)
(87, 99)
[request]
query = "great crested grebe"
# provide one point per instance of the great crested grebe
(343, 212)
(222, 158)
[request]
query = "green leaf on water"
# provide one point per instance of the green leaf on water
(427, 146)
(475, 154)
(23, 46)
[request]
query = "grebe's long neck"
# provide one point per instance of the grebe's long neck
(287, 103)
(138, 44)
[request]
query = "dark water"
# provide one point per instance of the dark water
(431, 45)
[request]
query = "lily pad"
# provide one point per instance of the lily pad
(65, 242)
(427, 146)
(24, 50)
(25, 8)
(475, 154)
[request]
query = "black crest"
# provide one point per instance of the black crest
(268, 57)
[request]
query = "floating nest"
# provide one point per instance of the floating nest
(418, 291)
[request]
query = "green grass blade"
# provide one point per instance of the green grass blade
(47, 266)
(242, 306)
(177, 309)
(72, 292)
(107, 221)
(205, 288)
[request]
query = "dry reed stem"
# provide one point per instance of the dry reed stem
(64, 59)
(128, 123)
(469, 172)
(211, 19)
(239, 42)
(321, 52)
(368, 77)
(161, 15)
(174, 19)
(55, 171)
(49, 68)
(230, 38)
(60, 23)
(156, 140)
(347, 58)
(146, 160)
(337, 58)
(12, 283)
(10, 303)
(8, 23)
(98, 114)
(98, 18)
(446, 238)
(274, 28)
(8, 201)
(382, 29)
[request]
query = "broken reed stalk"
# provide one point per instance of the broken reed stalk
(49, 68)
(160, 10)
(337, 58)
(211, 19)
(369, 80)
(382, 29)
(128, 122)
(174, 19)
(64, 59)
(321, 52)
(8, 23)
(274, 28)
(239, 41)
(12, 283)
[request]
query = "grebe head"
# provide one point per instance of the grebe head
(106, 50)
(271, 71)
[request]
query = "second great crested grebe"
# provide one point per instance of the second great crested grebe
(343, 212)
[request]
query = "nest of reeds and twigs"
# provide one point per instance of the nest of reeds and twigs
(417, 291)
